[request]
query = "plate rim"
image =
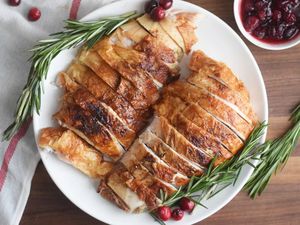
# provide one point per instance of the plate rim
(237, 188)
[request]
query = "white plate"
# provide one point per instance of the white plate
(219, 41)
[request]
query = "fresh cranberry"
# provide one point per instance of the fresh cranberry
(149, 6)
(14, 2)
(177, 214)
(164, 213)
(290, 18)
(290, 32)
(251, 23)
(158, 13)
(277, 15)
(260, 32)
(34, 14)
(186, 204)
(166, 4)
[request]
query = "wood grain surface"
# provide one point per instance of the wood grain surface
(279, 204)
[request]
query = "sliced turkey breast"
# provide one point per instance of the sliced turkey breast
(135, 75)
(181, 28)
(225, 94)
(219, 71)
(85, 77)
(170, 106)
(105, 115)
(151, 46)
(169, 155)
(168, 134)
(141, 154)
(120, 85)
(215, 107)
(87, 127)
(115, 184)
(142, 182)
(156, 30)
(72, 149)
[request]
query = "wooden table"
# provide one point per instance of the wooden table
(280, 203)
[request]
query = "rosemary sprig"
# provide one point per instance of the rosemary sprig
(217, 178)
(274, 157)
(45, 51)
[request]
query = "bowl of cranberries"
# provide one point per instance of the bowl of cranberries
(269, 24)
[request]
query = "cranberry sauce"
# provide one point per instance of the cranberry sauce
(273, 21)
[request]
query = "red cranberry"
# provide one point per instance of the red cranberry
(149, 6)
(177, 214)
(277, 15)
(260, 32)
(272, 32)
(251, 23)
(276, 32)
(262, 15)
(34, 14)
(290, 32)
(164, 213)
(280, 28)
(186, 204)
(290, 18)
(14, 2)
(166, 4)
(158, 13)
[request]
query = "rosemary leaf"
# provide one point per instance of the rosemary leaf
(275, 155)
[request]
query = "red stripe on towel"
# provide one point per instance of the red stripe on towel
(74, 9)
(11, 149)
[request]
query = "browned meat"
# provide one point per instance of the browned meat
(85, 77)
(120, 85)
(146, 63)
(116, 183)
(225, 94)
(139, 153)
(206, 121)
(169, 155)
(157, 31)
(219, 71)
(74, 150)
(105, 115)
(151, 46)
(140, 181)
(136, 75)
(87, 126)
(171, 105)
(168, 134)
(107, 193)
(215, 107)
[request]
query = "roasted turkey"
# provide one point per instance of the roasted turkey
(126, 118)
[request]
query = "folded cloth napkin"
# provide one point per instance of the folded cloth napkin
(19, 157)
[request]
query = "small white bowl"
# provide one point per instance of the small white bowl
(257, 42)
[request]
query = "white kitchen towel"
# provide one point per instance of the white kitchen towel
(19, 157)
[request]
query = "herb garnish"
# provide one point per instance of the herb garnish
(275, 155)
